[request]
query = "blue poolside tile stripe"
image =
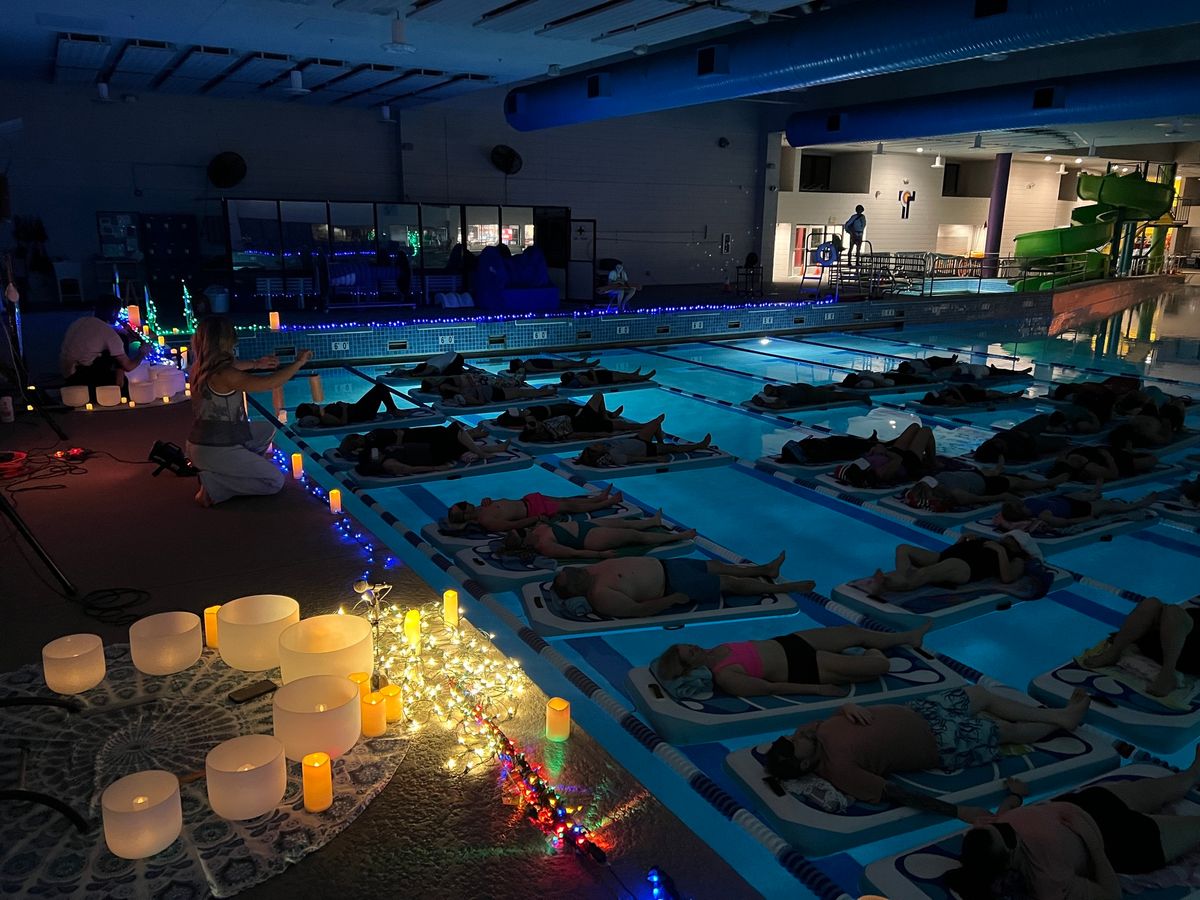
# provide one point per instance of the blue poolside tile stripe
(1156, 537)
(707, 365)
(791, 359)
(1087, 607)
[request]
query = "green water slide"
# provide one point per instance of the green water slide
(1119, 199)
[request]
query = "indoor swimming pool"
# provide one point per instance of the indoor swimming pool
(749, 513)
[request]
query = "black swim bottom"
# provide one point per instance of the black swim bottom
(1132, 841)
(801, 659)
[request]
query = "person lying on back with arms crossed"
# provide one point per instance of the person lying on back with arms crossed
(505, 515)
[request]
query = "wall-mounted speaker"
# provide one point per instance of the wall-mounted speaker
(506, 159)
(226, 170)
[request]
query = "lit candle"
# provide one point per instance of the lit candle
(135, 317)
(187, 392)
(183, 351)
(210, 626)
(273, 318)
(363, 680)
(146, 330)
(391, 700)
(558, 719)
(132, 404)
(450, 608)
(412, 628)
(166, 398)
(374, 715)
(297, 466)
(318, 782)
(335, 501)
(316, 388)
(86, 406)
(162, 340)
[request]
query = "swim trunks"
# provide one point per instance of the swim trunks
(691, 577)
(540, 505)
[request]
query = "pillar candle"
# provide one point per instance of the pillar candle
(146, 330)
(318, 782)
(363, 680)
(297, 465)
(162, 340)
(316, 388)
(335, 501)
(135, 317)
(374, 715)
(392, 700)
(412, 628)
(273, 318)
(210, 626)
(558, 719)
(450, 608)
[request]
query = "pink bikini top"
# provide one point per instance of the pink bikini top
(744, 654)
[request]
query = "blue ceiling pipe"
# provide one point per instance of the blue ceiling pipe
(871, 37)
(1149, 93)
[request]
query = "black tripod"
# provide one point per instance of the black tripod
(13, 516)
(10, 321)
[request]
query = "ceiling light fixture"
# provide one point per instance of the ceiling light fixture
(937, 162)
(879, 149)
(399, 42)
(1048, 158)
(1124, 168)
(978, 145)
(102, 92)
(995, 57)
(296, 86)
(554, 70)
(1078, 160)
(641, 49)
(385, 115)
(920, 149)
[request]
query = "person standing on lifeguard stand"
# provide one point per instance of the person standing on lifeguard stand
(855, 226)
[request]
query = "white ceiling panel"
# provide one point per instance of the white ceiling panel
(535, 15)
(375, 7)
(611, 18)
(140, 62)
(79, 58)
(410, 81)
(200, 66)
(671, 27)
(251, 75)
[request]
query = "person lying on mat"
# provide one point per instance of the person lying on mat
(647, 444)
(866, 380)
(545, 364)
(838, 447)
(597, 539)
(1169, 635)
(968, 488)
(576, 422)
(1072, 419)
(365, 409)
(1091, 464)
(1079, 843)
(419, 450)
(782, 396)
(1155, 428)
(354, 445)
(636, 586)
(966, 395)
(969, 559)
(910, 456)
(1133, 402)
(976, 372)
(803, 662)
(479, 393)
(603, 378)
(926, 365)
(505, 515)
(1064, 510)
(1189, 491)
(856, 749)
(1024, 442)
(448, 363)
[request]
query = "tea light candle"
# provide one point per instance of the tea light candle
(165, 643)
(450, 608)
(183, 353)
(142, 814)
(86, 406)
(187, 392)
(363, 680)
(316, 388)
(273, 319)
(392, 700)
(335, 501)
(73, 664)
(374, 715)
(210, 626)
(162, 340)
(317, 773)
(166, 399)
(132, 404)
(297, 466)
(126, 399)
(146, 330)
(246, 776)
(412, 628)
(558, 719)
(135, 317)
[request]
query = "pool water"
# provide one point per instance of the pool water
(827, 540)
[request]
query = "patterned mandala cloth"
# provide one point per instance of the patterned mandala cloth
(132, 722)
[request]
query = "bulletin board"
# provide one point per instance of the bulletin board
(118, 235)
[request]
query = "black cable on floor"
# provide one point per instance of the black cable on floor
(112, 605)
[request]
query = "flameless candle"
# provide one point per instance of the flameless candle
(246, 776)
(250, 629)
(183, 352)
(142, 814)
(210, 626)
(335, 501)
(165, 643)
(558, 719)
(73, 664)
(450, 608)
(363, 681)
(132, 404)
(273, 319)
(297, 466)
(316, 388)
(412, 628)
(166, 399)
(374, 715)
(187, 392)
(146, 330)
(391, 699)
(162, 340)
(318, 782)
(88, 407)
(135, 317)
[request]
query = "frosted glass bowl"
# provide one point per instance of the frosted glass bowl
(249, 629)
(319, 713)
(326, 645)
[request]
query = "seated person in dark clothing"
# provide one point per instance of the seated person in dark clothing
(418, 450)
(94, 353)
(1169, 635)
(970, 559)
(544, 364)
(783, 396)
(365, 409)
(603, 378)
(865, 380)
(444, 364)
(591, 420)
(907, 458)
(965, 395)
(838, 447)
(1092, 464)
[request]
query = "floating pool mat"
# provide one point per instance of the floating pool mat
(817, 818)
(1055, 540)
(690, 459)
(946, 517)
(407, 418)
(1122, 704)
(836, 403)
(507, 461)
(452, 538)
(718, 716)
(917, 874)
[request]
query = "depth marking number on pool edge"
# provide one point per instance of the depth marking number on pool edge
(444, 339)
(340, 345)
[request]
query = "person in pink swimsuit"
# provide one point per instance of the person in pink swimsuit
(803, 662)
(505, 515)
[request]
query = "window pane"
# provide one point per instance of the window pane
(400, 231)
(516, 227)
(353, 232)
(254, 234)
(441, 229)
(483, 227)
